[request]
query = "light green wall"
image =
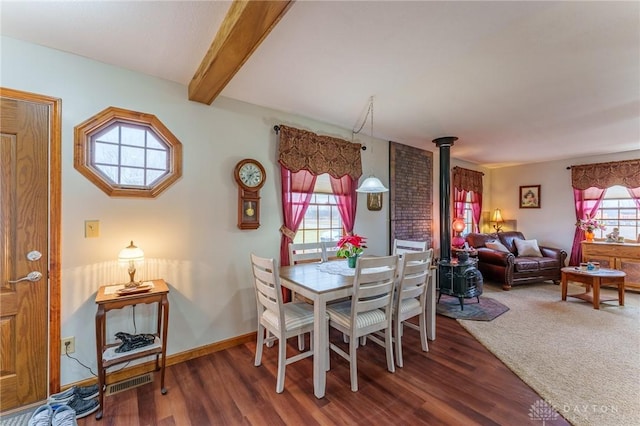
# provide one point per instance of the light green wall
(189, 232)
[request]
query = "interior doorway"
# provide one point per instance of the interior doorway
(30, 220)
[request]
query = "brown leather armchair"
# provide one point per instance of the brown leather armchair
(511, 269)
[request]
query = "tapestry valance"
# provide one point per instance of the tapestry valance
(604, 175)
(303, 150)
(467, 180)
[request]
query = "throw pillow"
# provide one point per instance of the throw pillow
(528, 248)
(496, 245)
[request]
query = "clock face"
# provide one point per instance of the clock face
(250, 175)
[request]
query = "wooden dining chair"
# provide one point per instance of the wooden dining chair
(368, 310)
(411, 298)
(405, 246)
(280, 320)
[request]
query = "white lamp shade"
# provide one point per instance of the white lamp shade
(131, 254)
(372, 184)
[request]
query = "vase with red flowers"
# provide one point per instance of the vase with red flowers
(350, 247)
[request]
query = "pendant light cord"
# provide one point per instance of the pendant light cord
(369, 112)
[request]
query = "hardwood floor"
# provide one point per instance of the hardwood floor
(458, 382)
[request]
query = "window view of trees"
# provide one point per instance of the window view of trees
(322, 221)
(619, 210)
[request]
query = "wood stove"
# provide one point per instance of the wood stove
(459, 279)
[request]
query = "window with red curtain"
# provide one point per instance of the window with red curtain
(590, 182)
(302, 156)
(466, 181)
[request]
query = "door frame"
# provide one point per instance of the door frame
(55, 220)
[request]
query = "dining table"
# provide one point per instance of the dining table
(326, 282)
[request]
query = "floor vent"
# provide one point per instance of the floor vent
(129, 383)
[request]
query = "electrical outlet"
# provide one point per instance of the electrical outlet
(70, 343)
(91, 228)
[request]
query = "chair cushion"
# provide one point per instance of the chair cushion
(497, 245)
(296, 315)
(341, 314)
(526, 264)
(527, 248)
(549, 263)
(409, 305)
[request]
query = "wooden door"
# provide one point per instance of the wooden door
(24, 229)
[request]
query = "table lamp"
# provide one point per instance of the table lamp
(497, 218)
(129, 256)
(458, 226)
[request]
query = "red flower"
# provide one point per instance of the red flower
(351, 245)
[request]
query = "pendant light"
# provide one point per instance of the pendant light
(371, 184)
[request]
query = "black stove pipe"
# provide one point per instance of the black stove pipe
(445, 143)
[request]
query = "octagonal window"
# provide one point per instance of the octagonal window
(127, 153)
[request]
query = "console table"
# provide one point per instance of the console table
(108, 299)
(624, 257)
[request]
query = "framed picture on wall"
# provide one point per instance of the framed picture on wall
(530, 197)
(374, 201)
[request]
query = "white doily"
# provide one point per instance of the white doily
(342, 268)
(338, 267)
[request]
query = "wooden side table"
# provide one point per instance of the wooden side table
(593, 279)
(108, 299)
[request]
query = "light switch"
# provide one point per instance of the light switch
(91, 228)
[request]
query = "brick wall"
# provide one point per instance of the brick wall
(410, 193)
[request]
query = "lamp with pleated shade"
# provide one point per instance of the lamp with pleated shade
(130, 256)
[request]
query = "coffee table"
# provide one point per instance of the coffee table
(595, 279)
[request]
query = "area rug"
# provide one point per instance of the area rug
(16, 419)
(486, 310)
(583, 362)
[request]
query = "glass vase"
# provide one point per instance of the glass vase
(351, 261)
(588, 236)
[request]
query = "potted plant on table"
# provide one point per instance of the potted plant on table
(589, 225)
(350, 247)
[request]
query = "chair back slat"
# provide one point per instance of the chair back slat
(267, 285)
(306, 252)
(373, 284)
(330, 250)
(414, 272)
(406, 246)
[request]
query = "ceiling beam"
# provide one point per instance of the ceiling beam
(247, 23)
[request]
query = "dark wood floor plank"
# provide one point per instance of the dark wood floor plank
(458, 382)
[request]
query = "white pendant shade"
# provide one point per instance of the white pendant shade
(372, 184)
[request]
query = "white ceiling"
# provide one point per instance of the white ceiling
(515, 81)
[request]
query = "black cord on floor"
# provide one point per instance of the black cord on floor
(66, 352)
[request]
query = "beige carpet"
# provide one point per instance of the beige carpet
(583, 362)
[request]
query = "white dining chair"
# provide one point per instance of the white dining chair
(280, 320)
(411, 298)
(403, 246)
(368, 310)
(330, 250)
(307, 252)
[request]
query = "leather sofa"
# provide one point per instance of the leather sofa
(508, 268)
